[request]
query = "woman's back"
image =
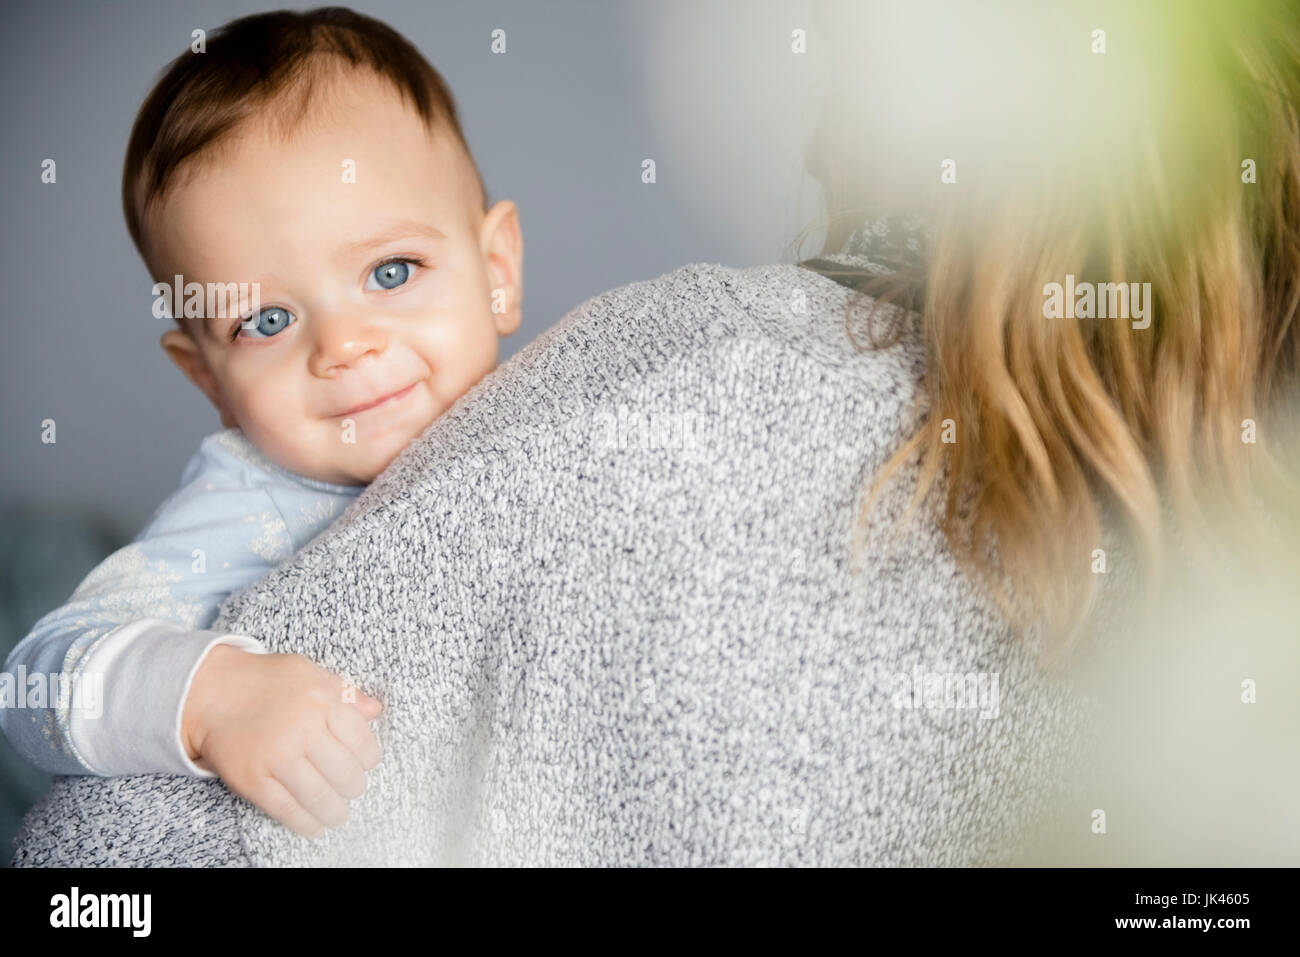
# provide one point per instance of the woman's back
(610, 604)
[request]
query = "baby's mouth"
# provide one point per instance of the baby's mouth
(375, 403)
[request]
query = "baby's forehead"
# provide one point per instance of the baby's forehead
(354, 106)
(351, 135)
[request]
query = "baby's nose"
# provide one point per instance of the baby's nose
(343, 343)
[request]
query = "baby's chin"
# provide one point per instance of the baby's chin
(358, 451)
(340, 456)
(377, 450)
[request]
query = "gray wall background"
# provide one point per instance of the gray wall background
(560, 123)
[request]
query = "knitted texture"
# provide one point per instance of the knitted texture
(610, 603)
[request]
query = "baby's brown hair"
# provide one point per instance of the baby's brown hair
(256, 61)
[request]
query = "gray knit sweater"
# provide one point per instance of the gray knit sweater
(609, 603)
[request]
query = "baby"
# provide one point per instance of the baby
(318, 156)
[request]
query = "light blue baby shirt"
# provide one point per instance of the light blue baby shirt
(98, 685)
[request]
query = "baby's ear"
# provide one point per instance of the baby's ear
(185, 353)
(503, 250)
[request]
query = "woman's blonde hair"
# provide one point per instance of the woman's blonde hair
(1177, 163)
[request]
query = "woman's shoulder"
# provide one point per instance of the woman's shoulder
(705, 307)
(738, 344)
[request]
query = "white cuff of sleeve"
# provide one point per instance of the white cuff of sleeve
(143, 671)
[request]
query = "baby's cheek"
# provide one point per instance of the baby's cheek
(476, 357)
(276, 433)
(453, 341)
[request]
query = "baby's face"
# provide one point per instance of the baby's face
(376, 290)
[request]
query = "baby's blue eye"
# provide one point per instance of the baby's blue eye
(391, 274)
(266, 323)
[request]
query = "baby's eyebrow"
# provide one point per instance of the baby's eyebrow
(391, 232)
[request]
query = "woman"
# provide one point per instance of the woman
(736, 566)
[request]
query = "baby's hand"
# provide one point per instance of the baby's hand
(279, 732)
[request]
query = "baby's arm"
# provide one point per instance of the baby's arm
(155, 691)
(116, 661)
(123, 687)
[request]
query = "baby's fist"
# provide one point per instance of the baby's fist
(282, 732)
